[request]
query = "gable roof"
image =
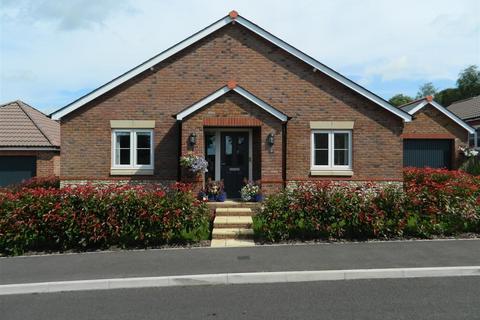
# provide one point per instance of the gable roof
(24, 126)
(466, 109)
(232, 17)
(231, 86)
(417, 105)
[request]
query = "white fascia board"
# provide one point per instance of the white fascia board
(200, 104)
(262, 104)
(321, 67)
(446, 112)
(141, 68)
(244, 93)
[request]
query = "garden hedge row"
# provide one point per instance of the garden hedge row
(84, 217)
(431, 203)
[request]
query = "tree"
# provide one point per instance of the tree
(447, 96)
(468, 82)
(426, 90)
(399, 99)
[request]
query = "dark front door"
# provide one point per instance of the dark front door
(433, 153)
(234, 161)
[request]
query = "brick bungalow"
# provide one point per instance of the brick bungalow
(29, 143)
(254, 106)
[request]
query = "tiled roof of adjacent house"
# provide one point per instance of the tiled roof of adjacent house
(24, 126)
(466, 109)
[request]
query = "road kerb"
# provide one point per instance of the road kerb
(237, 278)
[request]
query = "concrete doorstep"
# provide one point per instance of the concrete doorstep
(238, 278)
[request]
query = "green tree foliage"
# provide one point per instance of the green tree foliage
(468, 82)
(428, 89)
(399, 99)
(468, 85)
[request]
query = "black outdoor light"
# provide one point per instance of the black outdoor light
(192, 139)
(271, 139)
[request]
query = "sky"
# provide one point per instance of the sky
(53, 52)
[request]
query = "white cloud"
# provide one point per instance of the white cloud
(52, 50)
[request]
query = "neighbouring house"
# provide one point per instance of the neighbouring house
(469, 111)
(29, 143)
(434, 136)
(254, 106)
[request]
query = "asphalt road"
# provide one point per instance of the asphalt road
(143, 263)
(426, 298)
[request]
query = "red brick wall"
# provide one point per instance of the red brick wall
(429, 123)
(266, 71)
(234, 105)
(47, 163)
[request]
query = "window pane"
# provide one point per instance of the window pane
(143, 156)
(123, 139)
(321, 158)
(341, 140)
(124, 156)
(340, 158)
(321, 140)
(143, 140)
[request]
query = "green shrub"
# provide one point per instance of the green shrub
(86, 217)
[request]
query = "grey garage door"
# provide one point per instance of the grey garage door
(15, 169)
(434, 153)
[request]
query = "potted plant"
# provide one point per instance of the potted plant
(214, 190)
(194, 164)
(251, 191)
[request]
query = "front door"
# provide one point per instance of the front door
(234, 161)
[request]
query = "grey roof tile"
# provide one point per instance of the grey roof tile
(466, 109)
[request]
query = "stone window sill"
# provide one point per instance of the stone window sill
(336, 173)
(130, 172)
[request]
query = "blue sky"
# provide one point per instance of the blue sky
(53, 52)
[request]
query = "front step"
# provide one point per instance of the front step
(232, 233)
(232, 222)
(232, 227)
(233, 212)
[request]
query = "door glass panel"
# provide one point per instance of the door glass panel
(210, 154)
(228, 150)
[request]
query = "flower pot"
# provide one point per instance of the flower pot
(257, 198)
(211, 197)
(221, 197)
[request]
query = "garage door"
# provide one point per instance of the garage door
(15, 169)
(427, 153)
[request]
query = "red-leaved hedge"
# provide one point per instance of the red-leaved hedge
(431, 202)
(84, 217)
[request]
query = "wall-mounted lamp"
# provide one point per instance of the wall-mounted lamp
(192, 139)
(271, 139)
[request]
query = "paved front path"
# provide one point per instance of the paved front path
(255, 259)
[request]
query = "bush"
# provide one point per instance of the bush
(86, 217)
(40, 182)
(432, 202)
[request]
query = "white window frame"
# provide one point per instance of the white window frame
(133, 149)
(331, 153)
